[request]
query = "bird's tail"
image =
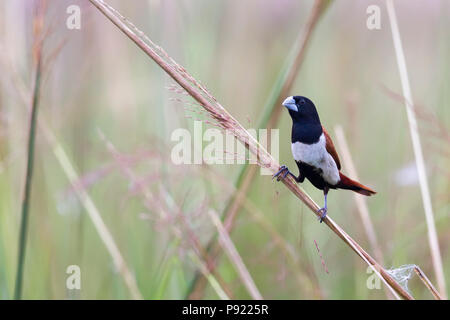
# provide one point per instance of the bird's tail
(349, 184)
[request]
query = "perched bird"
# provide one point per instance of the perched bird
(314, 152)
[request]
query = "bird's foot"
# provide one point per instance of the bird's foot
(282, 173)
(323, 213)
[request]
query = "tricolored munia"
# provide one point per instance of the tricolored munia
(314, 152)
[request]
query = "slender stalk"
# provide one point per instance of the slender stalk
(305, 281)
(288, 77)
(360, 200)
(417, 147)
(96, 218)
(226, 121)
(210, 277)
(427, 283)
(69, 169)
(28, 180)
(271, 112)
(198, 284)
(38, 26)
(233, 255)
(93, 213)
(165, 213)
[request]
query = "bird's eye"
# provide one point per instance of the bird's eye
(302, 101)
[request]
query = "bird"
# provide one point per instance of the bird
(314, 152)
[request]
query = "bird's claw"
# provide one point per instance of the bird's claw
(323, 213)
(278, 175)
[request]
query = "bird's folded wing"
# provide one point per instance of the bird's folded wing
(330, 148)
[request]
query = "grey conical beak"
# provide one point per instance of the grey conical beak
(290, 104)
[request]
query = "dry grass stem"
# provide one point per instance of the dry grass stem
(420, 162)
(38, 21)
(166, 208)
(427, 283)
(205, 99)
(234, 257)
(212, 281)
(94, 214)
(281, 90)
(360, 200)
(84, 197)
(300, 53)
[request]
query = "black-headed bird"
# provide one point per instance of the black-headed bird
(314, 152)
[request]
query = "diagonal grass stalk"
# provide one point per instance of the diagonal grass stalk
(235, 258)
(164, 212)
(360, 200)
(94, 214)
(225, 120)
(271, 115)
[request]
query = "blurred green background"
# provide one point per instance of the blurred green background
(101, 88)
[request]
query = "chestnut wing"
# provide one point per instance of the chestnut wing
(330, 148)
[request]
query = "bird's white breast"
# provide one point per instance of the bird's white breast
(316, 155)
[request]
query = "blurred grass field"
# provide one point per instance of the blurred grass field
(101, 89)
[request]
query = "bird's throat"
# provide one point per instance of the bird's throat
(306, 133)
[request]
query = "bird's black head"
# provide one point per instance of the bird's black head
(306, 126)
(302, 110)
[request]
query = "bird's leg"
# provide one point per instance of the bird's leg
(323, 211)
(282, 173)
